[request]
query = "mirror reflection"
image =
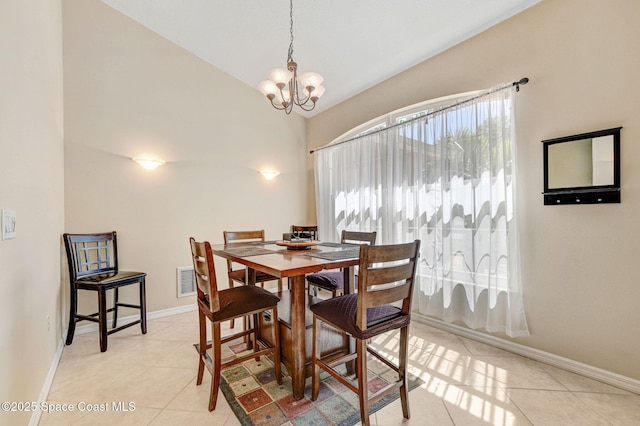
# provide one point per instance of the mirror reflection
(581, 163)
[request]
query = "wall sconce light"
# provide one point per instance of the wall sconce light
(148, 163)
(269, 174)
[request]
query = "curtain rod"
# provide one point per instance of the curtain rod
(517, 85)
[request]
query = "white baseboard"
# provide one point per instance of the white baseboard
(46, 387)
(48, 381)
(608, 377)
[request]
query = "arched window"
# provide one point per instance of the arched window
(442, 172)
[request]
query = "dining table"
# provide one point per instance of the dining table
(293, 262)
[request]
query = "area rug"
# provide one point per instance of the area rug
(256, 398)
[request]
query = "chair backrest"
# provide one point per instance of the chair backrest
(312, 230)
(205, 271)
(386, 276)
(233, 237)
(91, 254)
(355, 237)
(243, 236)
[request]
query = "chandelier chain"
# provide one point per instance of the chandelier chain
(290, 55)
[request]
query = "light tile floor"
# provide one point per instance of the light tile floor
(466, 383)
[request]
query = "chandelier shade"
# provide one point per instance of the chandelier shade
(280, 76)
(312, 79)
(286, 88)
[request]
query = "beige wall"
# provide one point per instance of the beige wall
(581, 286)
(129, 91)
(31, 172)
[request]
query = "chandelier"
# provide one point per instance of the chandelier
(282, 87)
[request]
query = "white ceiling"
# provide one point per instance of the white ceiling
(354, 44)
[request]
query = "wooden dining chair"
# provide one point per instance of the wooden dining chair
(311, 230)
(387, 275)
(238, 275)
(93, 266)
(223, 305)
(333, 281)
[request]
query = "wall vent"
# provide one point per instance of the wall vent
(186, 281)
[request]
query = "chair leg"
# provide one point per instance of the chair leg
(246, 325)
(255, 331)
(216, 348)
(402, 370)
(315, 355)
(313, 290)
(143, 306)
(276, 340)
(115, 308)
(102, 319)
(233, 320)
(202, 325)
(363, 390)
(73, 310)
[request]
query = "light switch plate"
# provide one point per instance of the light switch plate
(8, 224)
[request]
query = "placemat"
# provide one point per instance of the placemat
(261, 243)
(337, 255)
(339, 245)
(247, 251)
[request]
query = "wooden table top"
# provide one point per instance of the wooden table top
(281, 262)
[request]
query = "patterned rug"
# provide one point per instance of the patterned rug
(257, 399)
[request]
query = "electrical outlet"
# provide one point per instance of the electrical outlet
(48, 322)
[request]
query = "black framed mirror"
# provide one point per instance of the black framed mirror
(582, 169)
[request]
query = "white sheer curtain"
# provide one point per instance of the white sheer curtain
(447, 178)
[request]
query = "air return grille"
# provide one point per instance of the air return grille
(186, 281)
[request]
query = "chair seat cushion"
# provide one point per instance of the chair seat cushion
(327, 280)
(341, 313)
(110, 279)
(240, 274)
(239, 301)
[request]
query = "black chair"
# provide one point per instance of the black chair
(333, 281)
(223, 305)
(386, 279)
(93, 265)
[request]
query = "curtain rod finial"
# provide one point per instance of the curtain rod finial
(523, 81)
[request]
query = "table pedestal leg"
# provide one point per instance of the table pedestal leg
(298, 297)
